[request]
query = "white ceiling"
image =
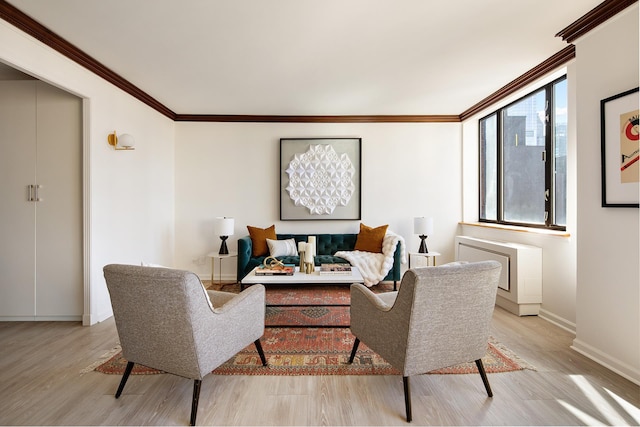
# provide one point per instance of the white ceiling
(314, 57)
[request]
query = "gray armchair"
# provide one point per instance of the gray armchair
(167, 320)
(440, 317)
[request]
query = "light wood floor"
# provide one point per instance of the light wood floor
(41, 384)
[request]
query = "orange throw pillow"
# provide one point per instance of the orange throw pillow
(370, 239)
(259, 238)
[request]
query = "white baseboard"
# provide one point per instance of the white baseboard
(92, 319)
(225, 277)
(620, 368)
(40, 318)
(558, 321)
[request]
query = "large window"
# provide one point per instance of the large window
(523, 158)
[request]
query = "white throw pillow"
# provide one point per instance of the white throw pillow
(286, 247)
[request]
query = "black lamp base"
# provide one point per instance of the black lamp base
(223, 247)
(423, 245)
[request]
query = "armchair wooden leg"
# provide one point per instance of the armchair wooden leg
(194, 403)
(407, 398)
(353, 350)
(260, 352)
(483, 374)
(125, 377)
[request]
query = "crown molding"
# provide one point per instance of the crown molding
(318, 119)
(539, 71)
(36, 30)
(593, 18)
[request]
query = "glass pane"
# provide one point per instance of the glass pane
(489, 168)
(523, 142)
(560, 152)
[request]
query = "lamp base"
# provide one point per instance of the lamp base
(423, 245)
(223, 247)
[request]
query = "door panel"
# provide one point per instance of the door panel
(17, 214)
(59, 256)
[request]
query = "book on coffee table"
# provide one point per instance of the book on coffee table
(335, 268)
(287, 270)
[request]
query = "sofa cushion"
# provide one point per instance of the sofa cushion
(259, 238)
(280, 248)
(370, 239)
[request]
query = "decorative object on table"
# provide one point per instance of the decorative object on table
(272, 262)
(335, 268)
(423, 227)
(271, 266)
(320, 178)
(302, 247)
(223, 227)
(311, 241)
(285, 270)
(620, 145)
(309, 265)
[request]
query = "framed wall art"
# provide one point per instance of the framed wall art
(620, 146)
(320, 178)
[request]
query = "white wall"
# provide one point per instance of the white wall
(558, 251)
(129, 211)
(608, 296)
(232, 169)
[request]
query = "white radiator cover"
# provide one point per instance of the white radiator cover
(520, 287)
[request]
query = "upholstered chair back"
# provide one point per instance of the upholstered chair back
(440, 317)
(165, 320)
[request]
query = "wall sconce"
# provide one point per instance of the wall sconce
(423, 227)
(223, 227)
(123, 142)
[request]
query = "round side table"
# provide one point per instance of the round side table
(216, 256)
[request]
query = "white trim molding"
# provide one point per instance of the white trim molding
(617, 366)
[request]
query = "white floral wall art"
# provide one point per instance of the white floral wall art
(320, 178)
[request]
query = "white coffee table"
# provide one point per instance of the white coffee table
(314, 278)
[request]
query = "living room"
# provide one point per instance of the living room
(157, 203)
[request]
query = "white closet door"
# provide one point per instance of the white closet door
(59, 254)
(17, 214)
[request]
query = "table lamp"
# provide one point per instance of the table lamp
(423, 227)
(223, 227)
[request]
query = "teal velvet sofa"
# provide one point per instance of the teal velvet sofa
(326, 246)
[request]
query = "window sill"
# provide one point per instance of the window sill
(532, 230)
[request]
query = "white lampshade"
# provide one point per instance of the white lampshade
(223, 226)
(126, 140)
(423, 226)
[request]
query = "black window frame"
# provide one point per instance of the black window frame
(550, 187)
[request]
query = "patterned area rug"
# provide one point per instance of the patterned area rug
(307, 334)
(309, 295)
(318, 351)
(309, 316)
(313, 305)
